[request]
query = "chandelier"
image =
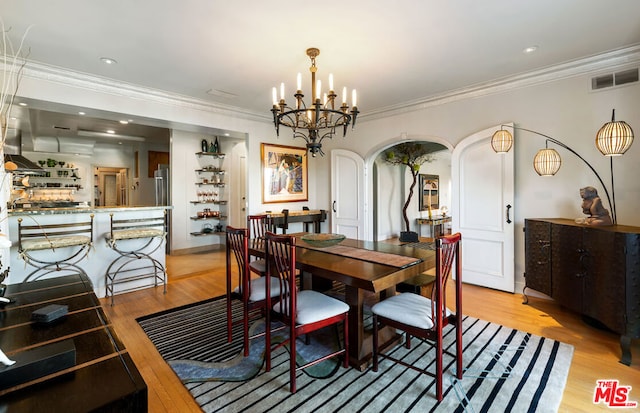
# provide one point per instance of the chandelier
(320, 119)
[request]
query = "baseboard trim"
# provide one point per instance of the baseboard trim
(196, 250)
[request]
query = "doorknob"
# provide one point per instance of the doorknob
(508, 219)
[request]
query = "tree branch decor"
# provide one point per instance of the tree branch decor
(13, 62)
(412, 155)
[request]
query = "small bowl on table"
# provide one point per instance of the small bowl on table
(323, 240)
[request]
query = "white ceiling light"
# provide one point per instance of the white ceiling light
(94, 134)
(108, 60)
(529, 49)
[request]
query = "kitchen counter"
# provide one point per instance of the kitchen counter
(83, 209)
(100, 256)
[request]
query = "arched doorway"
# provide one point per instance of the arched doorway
(388, 185)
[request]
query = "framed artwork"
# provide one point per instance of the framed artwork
(429, 192)
(284, 173)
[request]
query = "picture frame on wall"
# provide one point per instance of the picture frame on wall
(429, 192)
(284, 173)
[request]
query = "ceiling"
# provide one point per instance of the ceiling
(394, 53)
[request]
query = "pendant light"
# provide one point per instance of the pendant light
(615, 137)
(502, 141)
(547, 162)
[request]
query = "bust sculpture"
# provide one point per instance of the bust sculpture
(592, 206)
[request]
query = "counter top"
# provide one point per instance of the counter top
(83, 210)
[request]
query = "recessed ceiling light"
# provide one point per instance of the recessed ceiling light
(529, 49)
(81, 113)
(111, 131)
(108, 60)
(124, 122)
(22, 104)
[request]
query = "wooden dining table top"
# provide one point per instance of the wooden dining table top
(368, 265)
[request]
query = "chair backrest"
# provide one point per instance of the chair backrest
(258, 225)
(45, 231)
(238, 246)
(139, 224)
(281, 263)
(448, 257)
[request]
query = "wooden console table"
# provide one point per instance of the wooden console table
(307, 217)
(592, 270)
(104, 378)
(434, 223)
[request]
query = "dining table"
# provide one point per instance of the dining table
(369, 270)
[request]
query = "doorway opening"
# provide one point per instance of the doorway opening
(110, 186)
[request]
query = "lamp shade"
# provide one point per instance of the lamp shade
(547, 162)
(614, 138)
(502, 141)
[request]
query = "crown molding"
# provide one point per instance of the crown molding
(90, 82)
(579, 67)
(592, 64)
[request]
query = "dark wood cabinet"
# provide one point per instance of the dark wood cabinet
(104, 377)
(594, 271)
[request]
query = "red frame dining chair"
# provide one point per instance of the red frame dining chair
(425, 318)
(257, 226)
(251, 291)
(302, 311)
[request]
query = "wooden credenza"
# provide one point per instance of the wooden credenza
(592, 270)
(104, 377)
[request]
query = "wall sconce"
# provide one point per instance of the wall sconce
(613, 139)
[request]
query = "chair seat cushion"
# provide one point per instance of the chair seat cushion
(135, 233)
(314, 306)
(407, 308)
(55, 242)
(259, 266)
(258, 288)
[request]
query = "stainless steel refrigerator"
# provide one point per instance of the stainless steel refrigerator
(163, 195)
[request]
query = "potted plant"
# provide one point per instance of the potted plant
(412, 155)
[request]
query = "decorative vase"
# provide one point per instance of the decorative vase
(204, 145)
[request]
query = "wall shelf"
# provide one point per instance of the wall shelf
(210, 175)
(209, 202)
(203, 234)
(213, 154)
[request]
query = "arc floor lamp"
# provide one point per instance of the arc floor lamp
(613, 139)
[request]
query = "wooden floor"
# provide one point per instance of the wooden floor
(200, 276)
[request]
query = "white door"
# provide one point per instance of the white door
(482, 210)
(347, 194)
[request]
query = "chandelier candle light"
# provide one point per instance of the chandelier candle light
(613, 139)
(321, 118)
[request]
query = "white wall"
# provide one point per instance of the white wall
(564, 108)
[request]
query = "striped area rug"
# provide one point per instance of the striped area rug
(506, 370)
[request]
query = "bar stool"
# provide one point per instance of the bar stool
(54, 247)
(134, 240)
